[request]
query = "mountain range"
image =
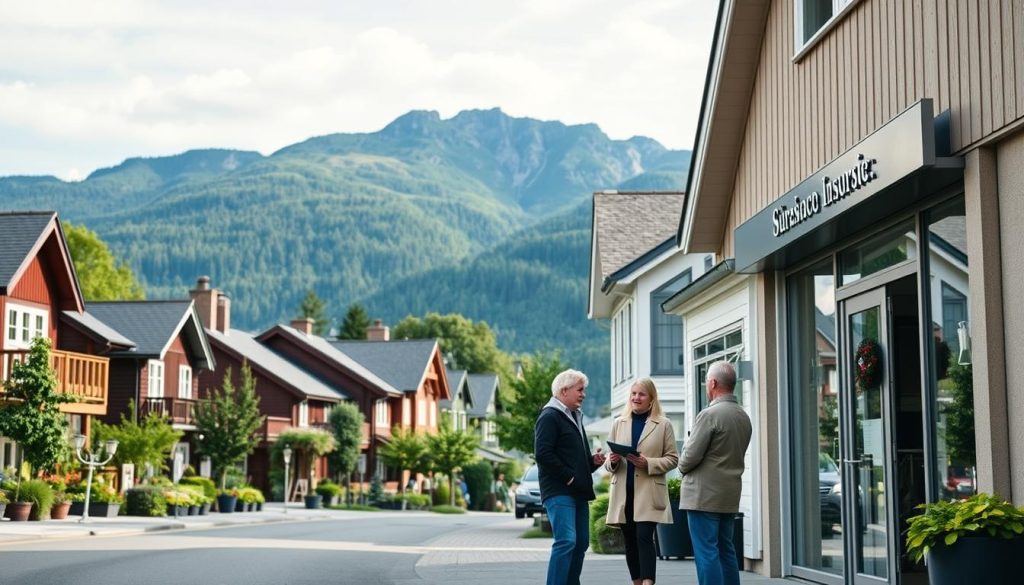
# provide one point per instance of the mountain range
(482, 214)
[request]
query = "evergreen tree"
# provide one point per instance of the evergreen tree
(101, 276)
(346, 423)
(355, 323)
(228, 421)
(149, 441)
(532, 392)
(32, 415)
(313, 307)
(450, 450)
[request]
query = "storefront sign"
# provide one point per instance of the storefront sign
(898, 159)
(835, 190)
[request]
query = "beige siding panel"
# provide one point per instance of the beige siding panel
(883, 56)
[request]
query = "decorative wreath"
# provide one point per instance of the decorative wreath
(869, 364)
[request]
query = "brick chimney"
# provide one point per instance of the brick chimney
(378, 332)
(303, 325)
(223, 313)
(206, 302)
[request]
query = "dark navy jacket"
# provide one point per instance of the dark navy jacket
(562, 454)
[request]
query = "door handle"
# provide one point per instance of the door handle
(851, 460)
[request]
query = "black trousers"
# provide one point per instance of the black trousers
(639, 537)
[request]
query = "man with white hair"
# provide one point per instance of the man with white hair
(564, 466)
(712, 466)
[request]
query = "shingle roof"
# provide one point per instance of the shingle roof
(96, 328)
(329, 351)
(19, 232)
(402, 363)
(153, 325)
(456, 381)
(483, 388)
(628, 225)
(263, 358)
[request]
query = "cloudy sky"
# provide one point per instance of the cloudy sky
(84, 85)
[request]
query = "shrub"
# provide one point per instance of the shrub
(329, 490)
(208, 486)
(602, 486)
(105, 494)
(604, 539)
(673, 486)
(145, 500)
(946, 522)
(441, 492)
(197, 497)
(479, 478)
(40, 494)
(3, 497)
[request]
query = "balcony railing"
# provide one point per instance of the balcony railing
(177, 410)
(80, 375)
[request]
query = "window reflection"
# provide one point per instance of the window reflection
(814, 399)
(950, 292)
(891, 247)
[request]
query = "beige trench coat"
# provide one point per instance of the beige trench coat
(650, 494)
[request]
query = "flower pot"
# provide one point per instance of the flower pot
(241, 506)
(313, 502)
(976, 559)
(193, 510)
(204, 509)
(3, 508)
(18, 511)
(226, 503)
(173, 510)
(77, 509)
(674, 539)
(60, 511)
(103, 509)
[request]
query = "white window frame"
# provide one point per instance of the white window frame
(839, 9)
(304, 413)
(432, 413)
(381, 412)
(622, 343)
(155, 378)
(23, 324)
(185, 382)
(731, 354)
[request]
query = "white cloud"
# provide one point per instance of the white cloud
(96, 82)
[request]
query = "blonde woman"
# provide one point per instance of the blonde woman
(638, 497)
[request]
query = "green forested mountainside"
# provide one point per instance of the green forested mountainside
(353, 216)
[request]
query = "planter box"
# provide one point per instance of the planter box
(193, 510)
(674, 539)
(103, 510)
(76, 509)
(978, 559)
(204, 509)
(176, 511)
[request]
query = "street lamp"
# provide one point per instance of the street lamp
(287, 454)
(91, 460)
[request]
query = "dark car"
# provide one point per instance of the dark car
(829, 494)
(528, 494)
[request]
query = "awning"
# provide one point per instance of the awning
(492, 456)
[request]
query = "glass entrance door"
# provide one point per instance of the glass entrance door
(866, 411)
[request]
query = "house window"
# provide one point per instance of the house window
(667, 330)
(304, 413)
(381, 410)
(709, 261)
(184, 382)
(155, 378)
(813, 15)
(726, 346)
(622, 340)
(25, 324)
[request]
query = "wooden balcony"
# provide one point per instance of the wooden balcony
(272, 427)
(179, 411)
(80, 375)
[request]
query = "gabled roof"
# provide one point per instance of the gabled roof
(22, 235)
(328, 352)
(629, 231)
(484, 389)
(403, 364)
(154, 325)
(724, 109)
(97, 330)
(458, 382)
(267, 363)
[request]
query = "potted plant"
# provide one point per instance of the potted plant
(104, 501)
(39, 494)
(674, 539)
(226, 500)
(61, 506)
(978, 539)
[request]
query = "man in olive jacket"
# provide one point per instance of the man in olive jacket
(712, 466)
(564, 468)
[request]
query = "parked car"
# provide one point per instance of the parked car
(528, 494)
(829, 491)
(959, 482)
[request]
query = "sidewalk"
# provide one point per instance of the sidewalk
(125, 525)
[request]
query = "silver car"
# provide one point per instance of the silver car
(528, 494)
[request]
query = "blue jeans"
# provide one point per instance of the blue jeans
(570, 525)
(713, 551)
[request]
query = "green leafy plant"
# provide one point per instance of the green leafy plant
(308, 444)
(604, 539)
(446, 509)
(673, 485)
(146, 500)
(406, 451)
(39, 493)
(148, 441)
(3, 497)
(450, 451)
(206, 484)
(229, 421)
(945, 522)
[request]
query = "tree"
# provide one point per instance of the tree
(450, 450)
(355, 323)
(101, 276)
(140, 443)
(407, 451)
(31, 415)
(473, 346)
(228, 421)
(532, 392)
(313, 307)
(308, 445)
(346, 423)
(960, 416)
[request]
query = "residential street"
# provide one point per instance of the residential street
(306, 548)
